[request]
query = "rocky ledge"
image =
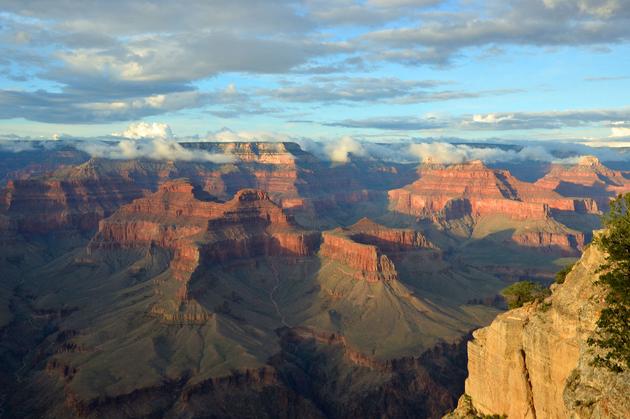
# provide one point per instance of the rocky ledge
(364, 247)
(534, 362)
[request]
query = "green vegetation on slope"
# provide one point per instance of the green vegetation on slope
(523, 292)
(613, 326)
(561, 275)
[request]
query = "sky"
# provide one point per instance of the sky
(379, 70)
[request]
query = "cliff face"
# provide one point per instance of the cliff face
(566, 242)
(77, 197)
(589, 177)
(37, 159)
(43, 206)
(390, 239)
(473, 189)
(364, 247)
(533, 362)
(276, 153)
(483, 191)
(371, 265)
(200, 232)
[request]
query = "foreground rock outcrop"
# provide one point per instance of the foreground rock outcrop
(534, 362)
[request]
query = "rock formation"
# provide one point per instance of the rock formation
(534, 362)
(43, 206)
(473, 189)
(75, 198)
(274, 153)
(388, 239)
(589, 177)
(370, 264)
(201, 232)
(200, 294)
(37, 159)
(363, 247)
(550, 240)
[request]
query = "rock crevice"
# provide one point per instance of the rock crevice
(534, 361)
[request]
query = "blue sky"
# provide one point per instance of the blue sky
(322, 69)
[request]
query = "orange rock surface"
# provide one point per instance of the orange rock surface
(589, 177)
(473, 189)
(197, 231)
(370, 264)
(363, 247)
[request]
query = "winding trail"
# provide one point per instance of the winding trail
(272, 292)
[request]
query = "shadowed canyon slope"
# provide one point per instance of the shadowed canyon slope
(276, 282)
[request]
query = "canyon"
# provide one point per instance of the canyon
(142, 287)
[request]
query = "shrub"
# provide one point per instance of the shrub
(523, 292)
(561, 276)
(613, 326)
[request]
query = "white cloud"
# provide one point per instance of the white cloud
(226, 135)
(617, 132)
(608, 144)
(340, 151)
(447, 153)
(491, 118)
(144, 130)
(150, 140)
(154, 149)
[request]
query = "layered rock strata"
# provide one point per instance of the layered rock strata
(534, 361)
(589, 177)
(364, 245)
(197, 231)
(565, 242)
(473, 189)
(368, 262)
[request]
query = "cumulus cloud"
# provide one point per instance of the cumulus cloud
(621, 143)
(148, 140)
(144, 130)
(121, 16)
(153, 149)
(91, 107)
(108, 65)
(447, 153)
(228, 135)
(340, 151)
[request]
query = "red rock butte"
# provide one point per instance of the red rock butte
(197, 231)
(473, 189)
(589, 177)
(363, 247)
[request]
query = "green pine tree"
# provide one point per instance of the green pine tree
(613, 326)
